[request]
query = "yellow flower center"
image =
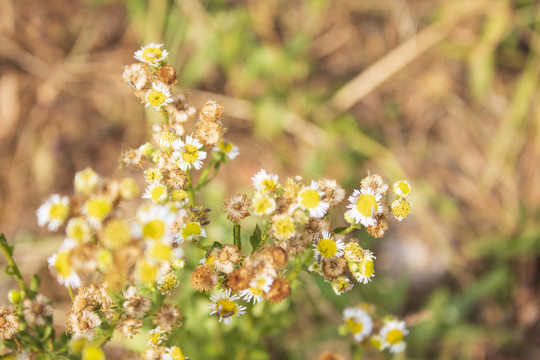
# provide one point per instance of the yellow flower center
(62, 264)
(327, 248)
(157, 193)
(268, 185)
(151, 54)
(104, 258)
(284, 227)
(176, 354)
(155, 338)
(367, 268)
(147, 272)
(153, 175)
(262, 205)
(154, 229)
(156, 98)
(92, 353)
(77, 230)
(226, 147)
(310, 198)
(401, 209)
(98, 208)
(365, 203)
(191, 229)
(190, 153)
(169, 283)
(404, 187)
(353, 252)
(116, 234)
(394, 336)
(255, 291)
(179, 195)
(354, 326)
(161, 251)
(58, 211)
(228, 308)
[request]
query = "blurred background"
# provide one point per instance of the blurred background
(443, 93)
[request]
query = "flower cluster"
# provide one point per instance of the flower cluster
(383, 334)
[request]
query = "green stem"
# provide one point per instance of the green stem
(71, 293)
(199, 245)
(203, 181)
(8, 252)
(189, 189)
(112, 326)
(236, 233)
(165, 116)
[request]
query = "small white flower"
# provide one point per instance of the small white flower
(59, 264)
(358, 322)
(151, 54)
(188, 153)
(264, 182)
(261, 284)
(402, 188)
(328, 247)
(263, 204)
(364, 206)
(156, 192)
(309, 199)
(158, 96)
(154, 222)
(228, 148)
(224, 306)
(54, 211)
(392, 334)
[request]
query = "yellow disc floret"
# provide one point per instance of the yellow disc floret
(154, 229)
(310, 198)
(365, 204)
(190, 153)
(327, 248)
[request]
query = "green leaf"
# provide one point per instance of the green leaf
(339, 230)
(255, 238)
(9, 270)
(34, 283)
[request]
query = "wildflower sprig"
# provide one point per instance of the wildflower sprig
(123, 270)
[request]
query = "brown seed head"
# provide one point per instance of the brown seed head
(378, 230)
(203, 278)
(211, 111)
(209, 133)
(239, 279)
(333, 267)
(167, 74)
(280, 290)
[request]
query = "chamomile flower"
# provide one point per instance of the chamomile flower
(156, 192)
(60, 265)
(97, 209)
(402, 188)
(153, 222)
(257, 287)
(392, 334)
(78, 229)
(166, 284)
(358, 322)
(163, 251)
(283, 227)
(151, 54)
(264, 182)
(116, 234)
(327, 246)
(188, 153)
(341, 285)
(364, 205)
(364, 271)
(153, 175)
(310, 199)
(156, 337)
(224, 306)
(173, 353)
(227, 148)
(158, 96)
(263, 204)
(400, 208)
(192, 230)
(86, 181)
(53, 212)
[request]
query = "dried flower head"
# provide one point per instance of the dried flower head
(83, 323)
(211, 111)
(167, 317)
(237, 208)
(129, 327)
(376, 184)
(136, 305)
(279, 290)
(9, 323)
(131, 157)
(379, 228)
(333, 267)
(239, 279)
(203, 278)
(209, 133)
(226, 258)
(35, 311)
(136, 76)
(166, 74)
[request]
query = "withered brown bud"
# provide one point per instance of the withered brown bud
(203, 278)
(237, 208)
(211, 111)
(378, 230)
(280, 290)
(239, 279)
(333, 267)
(279, 255)
(167, 74)
(209, 133)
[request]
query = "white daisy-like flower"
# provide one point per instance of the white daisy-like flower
(151, 54)
(263, 205)
(309, 198)
(154, 222)
(54, 212)
(341, 285)
(156, 337)
(392, 334)
(163, 251)
(327, 246)
(158, 96)
(166, 284)
(60, 266)
(358, 322)
(173, 353)
(402, 188)
(364, 205)
(86, 181)
(261, 284)
(78, 229)
(224, 306)
(283, 227)
(97, 209)
(265, 182)
(365, 270)
(156, 192)
(188, 153)
(192, 230)
(228, 148)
